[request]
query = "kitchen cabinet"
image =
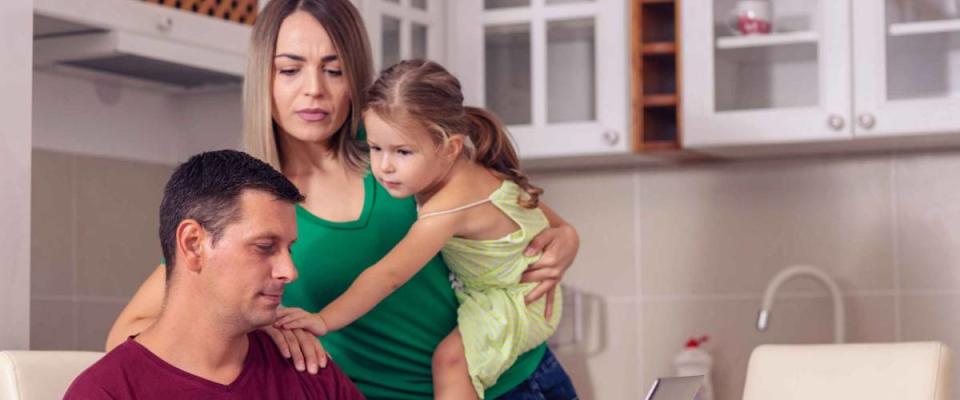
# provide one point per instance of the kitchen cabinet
(555, 71)
(906, 68)
(405, 29)
(791, 85)
(830, 70)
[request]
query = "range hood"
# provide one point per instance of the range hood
(143, 41)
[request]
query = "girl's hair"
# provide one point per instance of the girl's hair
(424, 92)
(345, 27)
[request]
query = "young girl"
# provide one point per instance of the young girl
(475, 207)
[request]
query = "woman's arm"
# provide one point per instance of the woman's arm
(142, 311)
(422, 242)
(559, 245)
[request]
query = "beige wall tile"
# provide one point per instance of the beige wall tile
(728, 228)
(117, 219)
(53, 325)
(94, 321)
(601, 206)
(605, 365)
(928, 194)
(730, 324)
(52, 225)
(933, 318)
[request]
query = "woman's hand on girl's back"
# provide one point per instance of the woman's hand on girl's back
(299, 345)
(559, 245)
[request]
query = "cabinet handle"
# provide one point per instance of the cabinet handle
(612, 137)
(866, 121)
(836, 122)
(165, 24)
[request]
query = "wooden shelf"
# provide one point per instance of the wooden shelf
(659, 48)
(661, 100)
(661, 146)
(773, 39)
(655, 52)
(925, 27)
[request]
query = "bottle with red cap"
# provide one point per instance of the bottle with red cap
(693, 360)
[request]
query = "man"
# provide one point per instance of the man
(227, 222)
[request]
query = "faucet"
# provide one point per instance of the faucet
(839, 323)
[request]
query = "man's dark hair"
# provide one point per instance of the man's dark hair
(206, 189)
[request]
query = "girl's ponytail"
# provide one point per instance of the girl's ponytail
(492, 149)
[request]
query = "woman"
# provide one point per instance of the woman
(309, 64)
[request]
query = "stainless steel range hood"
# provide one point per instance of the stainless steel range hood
(138, 40)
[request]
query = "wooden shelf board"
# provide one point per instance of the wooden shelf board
(660, 146)
(660, 100)
(658, 48)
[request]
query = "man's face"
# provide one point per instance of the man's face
(245, 271)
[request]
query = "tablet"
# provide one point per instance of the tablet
(679, 388)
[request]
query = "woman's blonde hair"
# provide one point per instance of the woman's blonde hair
(424, 92)
(345, 27)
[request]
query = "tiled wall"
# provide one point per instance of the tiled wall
(666, 254)
(94, 240)
(684, 251)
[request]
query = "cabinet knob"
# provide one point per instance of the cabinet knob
(612, 137)
(165, 24)
(835, 122)
(866, 121)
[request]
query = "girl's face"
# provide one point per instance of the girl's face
(405, 160)
(311, 95)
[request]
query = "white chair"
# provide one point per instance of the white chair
(874, 371)
(41, 375)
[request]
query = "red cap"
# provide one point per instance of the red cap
(693, 343)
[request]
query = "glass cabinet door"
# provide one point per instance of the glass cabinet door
(537, 65)
(907, 60)
(405, 29)
(763, 71)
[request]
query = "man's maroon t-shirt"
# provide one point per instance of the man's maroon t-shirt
(132, 372)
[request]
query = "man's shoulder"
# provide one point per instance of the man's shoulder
(99, 379)
(330, 382)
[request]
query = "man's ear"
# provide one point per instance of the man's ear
(190, 238)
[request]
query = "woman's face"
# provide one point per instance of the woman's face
(311, 95)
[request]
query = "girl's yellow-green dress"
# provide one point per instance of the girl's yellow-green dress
(494, 321)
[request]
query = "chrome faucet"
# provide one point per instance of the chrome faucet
(839, 322)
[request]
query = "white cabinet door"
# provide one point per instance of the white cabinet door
(791, 85)
(405, 29)
(907, 67)
(555, 71)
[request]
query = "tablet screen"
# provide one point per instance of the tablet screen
(679, 388)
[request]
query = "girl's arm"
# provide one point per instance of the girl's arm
(422, 242)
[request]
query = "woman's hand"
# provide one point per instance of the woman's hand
(305, 349)
(297, 318)
(559, 246)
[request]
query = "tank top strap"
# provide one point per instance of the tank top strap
(453, 210)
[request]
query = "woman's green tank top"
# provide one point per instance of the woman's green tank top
(386, 352)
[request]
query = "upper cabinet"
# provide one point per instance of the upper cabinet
(555, 71)
(906, 67)
(405, 29)
(822, 70)
(788, 82)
